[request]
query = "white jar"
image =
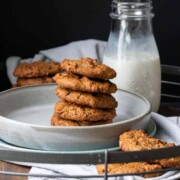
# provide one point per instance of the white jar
(132, 50)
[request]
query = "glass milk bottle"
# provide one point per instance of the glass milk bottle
(132, 50)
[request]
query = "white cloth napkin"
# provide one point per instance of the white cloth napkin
(74, 50)
(168, 129)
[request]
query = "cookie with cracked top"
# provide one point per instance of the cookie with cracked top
(88, 67)
(82, 83)
(67, 110)
(138, 140)
(37, 69)
(97, 100)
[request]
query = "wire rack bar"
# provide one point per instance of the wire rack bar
(171, 70)
(89, 158)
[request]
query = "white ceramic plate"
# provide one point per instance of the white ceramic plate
(150, 130)
(26, 113)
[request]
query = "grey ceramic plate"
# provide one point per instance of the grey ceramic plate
(26, 113)
(150, 130)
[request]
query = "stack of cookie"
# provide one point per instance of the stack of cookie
(138, 140)
(85, 96)
(35, 73)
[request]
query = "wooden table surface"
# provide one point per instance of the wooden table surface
(165, 109)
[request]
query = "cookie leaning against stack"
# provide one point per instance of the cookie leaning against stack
(85, 92)
(36, 73)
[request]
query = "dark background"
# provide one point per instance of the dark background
(27, 26)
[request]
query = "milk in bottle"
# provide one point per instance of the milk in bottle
(132, 50)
